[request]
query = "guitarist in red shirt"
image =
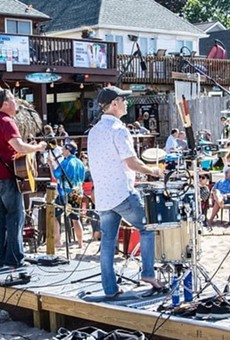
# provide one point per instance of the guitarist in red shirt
(11, 199)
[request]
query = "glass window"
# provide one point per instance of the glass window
(119, 40)
(108, 37)
(18, 26)
(186, 43)
(144, 46)
(152, 46)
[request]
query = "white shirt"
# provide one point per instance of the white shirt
(109, 144)
(171, 143)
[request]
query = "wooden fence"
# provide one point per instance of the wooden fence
(205, 113)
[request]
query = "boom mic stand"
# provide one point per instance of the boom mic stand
(64, 175)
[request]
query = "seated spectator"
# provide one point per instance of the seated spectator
(220, 193)
(62, 133)
(140, 129)
(55, 129)
(84, 158)
(171, 143)
(130, 127)
(226, 161)
(204, 194)
(48, 131)
(182, 141)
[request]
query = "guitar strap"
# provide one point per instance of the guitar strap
(11, 170)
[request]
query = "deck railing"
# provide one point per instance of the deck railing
(159, 69)
(54, 51)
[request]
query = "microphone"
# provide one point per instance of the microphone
(23, 107)
(143, 63)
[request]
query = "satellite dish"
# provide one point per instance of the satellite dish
(41, 78)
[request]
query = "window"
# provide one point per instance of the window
(144, 46)
(186, 43)
(119, 40)
(152, 46)
(108, 37)
(18, 26)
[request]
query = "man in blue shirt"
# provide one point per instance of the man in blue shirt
(70, 174)
(221, 194)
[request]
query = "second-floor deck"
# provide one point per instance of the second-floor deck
(59, 54)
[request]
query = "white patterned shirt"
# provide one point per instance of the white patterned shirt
(109, 144)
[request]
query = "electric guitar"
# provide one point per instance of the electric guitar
(25, 168)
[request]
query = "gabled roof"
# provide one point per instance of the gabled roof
(207, 43)
(15, 8)
(144, 14)
(210, 26)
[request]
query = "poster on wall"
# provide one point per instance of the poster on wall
(148, 115)
(15, 49)
(90, 54)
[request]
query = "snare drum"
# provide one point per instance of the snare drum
(161, 210)
(153, 156)
(172, 245)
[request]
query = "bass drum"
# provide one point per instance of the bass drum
(174, 245)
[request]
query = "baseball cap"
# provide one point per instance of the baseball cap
(71, 146)
(110, 93)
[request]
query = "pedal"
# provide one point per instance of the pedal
(22, 279)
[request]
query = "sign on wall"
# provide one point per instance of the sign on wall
(14, 49)
(90, 54)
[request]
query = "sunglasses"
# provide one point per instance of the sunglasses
(202, 177)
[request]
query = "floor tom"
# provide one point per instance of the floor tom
(173, 245)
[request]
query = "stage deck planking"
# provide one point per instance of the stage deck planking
(54, 291)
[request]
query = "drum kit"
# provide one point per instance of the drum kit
(173, 210)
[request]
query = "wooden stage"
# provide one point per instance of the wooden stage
(71, 289)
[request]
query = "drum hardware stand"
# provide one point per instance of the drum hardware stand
(131, 257)
(196, 230)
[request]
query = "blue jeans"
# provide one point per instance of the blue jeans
(132, 210)
(12, 218)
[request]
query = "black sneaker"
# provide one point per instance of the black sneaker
(221, 311)
(213, 310)
(203, 311)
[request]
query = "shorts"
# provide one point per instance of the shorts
(59, 211)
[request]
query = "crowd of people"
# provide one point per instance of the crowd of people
(110, 164)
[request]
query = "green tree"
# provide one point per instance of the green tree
(172, 5)
(207, 10)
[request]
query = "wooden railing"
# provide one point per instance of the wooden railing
(159, 69)
(53, 51)
(59, 51)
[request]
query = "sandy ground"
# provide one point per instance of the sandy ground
(215, 248)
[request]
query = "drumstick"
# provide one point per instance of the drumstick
(186, 111)
(181, 114)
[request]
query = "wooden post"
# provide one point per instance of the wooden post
(50, 220)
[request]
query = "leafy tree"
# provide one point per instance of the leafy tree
(207, 10)
(173, 5)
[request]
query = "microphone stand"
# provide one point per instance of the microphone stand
(64, 176)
